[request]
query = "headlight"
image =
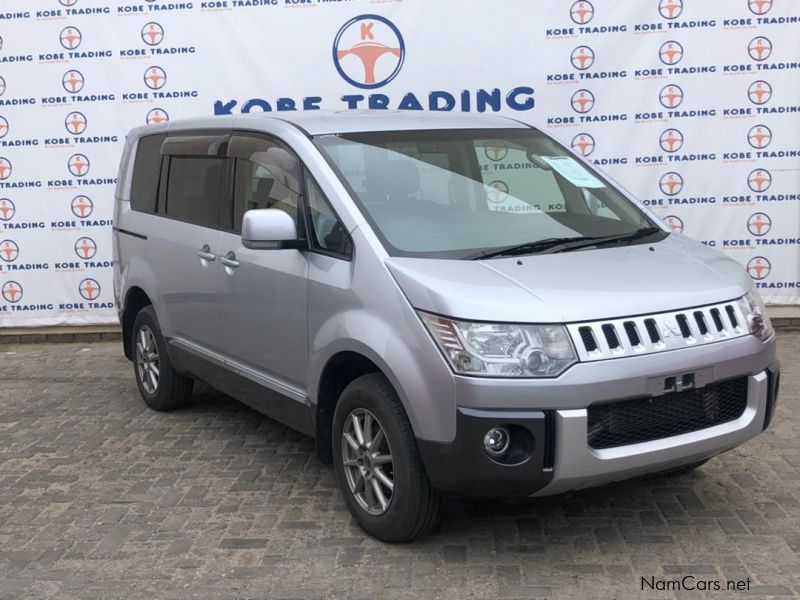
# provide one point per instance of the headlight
(502, 349)
(754, 311)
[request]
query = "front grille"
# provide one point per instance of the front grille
(645, 419)
(648, 334)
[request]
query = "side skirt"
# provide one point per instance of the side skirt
(245, 386)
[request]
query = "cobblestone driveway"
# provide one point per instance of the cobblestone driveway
(102, 498)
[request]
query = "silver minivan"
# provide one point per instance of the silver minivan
(446, 303)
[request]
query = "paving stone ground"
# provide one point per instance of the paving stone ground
(102, 498)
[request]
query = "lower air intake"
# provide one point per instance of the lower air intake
(627, 422)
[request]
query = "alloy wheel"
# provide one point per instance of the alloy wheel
(367, 459)
(147, 363)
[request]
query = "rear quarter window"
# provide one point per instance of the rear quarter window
(146, 170)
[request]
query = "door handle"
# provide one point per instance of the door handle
(229, 260)
(206, 254)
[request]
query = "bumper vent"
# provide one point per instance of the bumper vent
(774, 379)
(627, 422)
(648, 334)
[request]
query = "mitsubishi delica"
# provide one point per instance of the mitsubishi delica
(446, 303)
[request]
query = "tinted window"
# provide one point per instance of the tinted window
(194, 191)
(327, 231)
(267, 176)
(144, 187)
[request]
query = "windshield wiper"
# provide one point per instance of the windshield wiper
(632, 237)
(565, 244)
(644, 232)
(531, 247)
(612, 239)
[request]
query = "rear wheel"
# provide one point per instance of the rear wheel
(378, 465)
(160, 385)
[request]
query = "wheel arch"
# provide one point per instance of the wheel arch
(404, 355)
(339, 371)
(135, 300)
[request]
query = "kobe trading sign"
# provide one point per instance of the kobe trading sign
(368, 53)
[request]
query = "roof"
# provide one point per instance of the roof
(319, 122)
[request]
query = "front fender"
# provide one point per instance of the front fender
(405, 354)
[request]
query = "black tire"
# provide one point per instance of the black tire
(414, 507)
(172, 389)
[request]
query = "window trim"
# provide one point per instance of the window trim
(313, 242)
(192, 145)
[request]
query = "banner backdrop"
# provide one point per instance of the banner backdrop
(692, 105)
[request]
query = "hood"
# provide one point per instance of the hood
(573, 286)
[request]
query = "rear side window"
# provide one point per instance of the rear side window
(194, 190)
(146, 169)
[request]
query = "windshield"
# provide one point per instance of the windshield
(455, 193)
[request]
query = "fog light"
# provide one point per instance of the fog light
(496, 441)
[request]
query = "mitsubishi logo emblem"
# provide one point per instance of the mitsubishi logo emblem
(670, 330)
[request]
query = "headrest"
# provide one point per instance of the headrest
(263, 188)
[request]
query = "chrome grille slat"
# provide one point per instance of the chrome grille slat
(587, 338)
(739, 317)
(632, 334)
(716, 318)
(729, 308)
(701, 320)
(648, 345)
(712, 333)
(624, 339)
(670, 336)
(685, 327)
(611, 335)
(602, 345)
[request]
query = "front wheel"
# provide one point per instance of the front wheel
(378, 465)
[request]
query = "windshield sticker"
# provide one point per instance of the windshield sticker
(573, 171)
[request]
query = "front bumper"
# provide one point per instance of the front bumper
(580, 466)
(463, 466)
(556, 419)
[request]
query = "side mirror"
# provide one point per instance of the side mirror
(269, 229)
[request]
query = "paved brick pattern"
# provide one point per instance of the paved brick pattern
(102, 498)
